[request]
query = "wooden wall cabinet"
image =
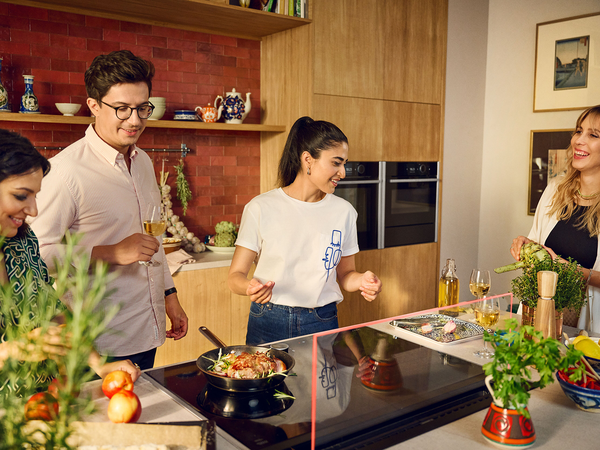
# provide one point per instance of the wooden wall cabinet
(409, 278)
(207, 301)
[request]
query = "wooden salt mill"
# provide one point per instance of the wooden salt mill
(545, 318)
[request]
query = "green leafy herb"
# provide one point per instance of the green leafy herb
(570, 288)
(184, 194)
(279, 394)
(516, 356)
(84, 323)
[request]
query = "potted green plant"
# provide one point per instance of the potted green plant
(83, 324)
(570, 287)
(510, 375)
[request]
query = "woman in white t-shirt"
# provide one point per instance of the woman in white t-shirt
(303, 239)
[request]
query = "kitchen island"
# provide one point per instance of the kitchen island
(556, 419)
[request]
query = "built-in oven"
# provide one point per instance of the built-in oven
(397, 202)
(363, 188)
(411, 203)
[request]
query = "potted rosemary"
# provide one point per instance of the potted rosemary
(83, 324)
(510, 375)
(570, 288)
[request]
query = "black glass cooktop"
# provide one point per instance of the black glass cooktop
(407, 390)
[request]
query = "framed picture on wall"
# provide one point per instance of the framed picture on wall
(566, 74)
(547, 160)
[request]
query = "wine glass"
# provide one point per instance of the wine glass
(487, 311)
(155, 224)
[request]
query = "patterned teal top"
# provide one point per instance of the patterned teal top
(22, 256)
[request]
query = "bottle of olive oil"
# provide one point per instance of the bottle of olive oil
(449, 289)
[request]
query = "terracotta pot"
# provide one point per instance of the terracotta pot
(506, 427)
(528, 318)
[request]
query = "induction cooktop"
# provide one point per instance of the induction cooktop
(429, 390)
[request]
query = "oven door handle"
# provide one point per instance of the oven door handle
(415, 180)
(358, 182)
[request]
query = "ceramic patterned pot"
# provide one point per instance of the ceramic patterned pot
(508, 428)
(233, 108)
(29, 102)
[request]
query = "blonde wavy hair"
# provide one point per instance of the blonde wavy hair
(564, 200)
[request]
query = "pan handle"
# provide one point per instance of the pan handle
(211, 337)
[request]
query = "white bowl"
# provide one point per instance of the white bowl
(158, 112)
(157, 100)
(68, 109)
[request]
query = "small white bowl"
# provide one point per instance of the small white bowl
(68, 109)
(157, 100)
(158, 112)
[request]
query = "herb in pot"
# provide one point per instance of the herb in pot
(570, 288)
(516, 356)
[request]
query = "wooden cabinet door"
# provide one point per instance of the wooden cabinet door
(381, 49)
(348, 48)
(414, 50)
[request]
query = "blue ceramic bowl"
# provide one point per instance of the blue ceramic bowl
(584, 398)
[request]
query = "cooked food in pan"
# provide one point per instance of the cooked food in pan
(247, 365)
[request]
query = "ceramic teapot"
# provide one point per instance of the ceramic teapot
(209, 113)
(233, 108)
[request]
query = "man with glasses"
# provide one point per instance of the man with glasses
(101, 186)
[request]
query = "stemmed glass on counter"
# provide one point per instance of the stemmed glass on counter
(155, 224)
(487, 311)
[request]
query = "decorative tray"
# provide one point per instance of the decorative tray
(464, 330)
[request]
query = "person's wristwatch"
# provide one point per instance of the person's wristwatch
(170, 291)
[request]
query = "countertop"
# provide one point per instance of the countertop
(557, 421)
(207, 260)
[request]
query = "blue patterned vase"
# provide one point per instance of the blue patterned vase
(29, 102)
(4, 106)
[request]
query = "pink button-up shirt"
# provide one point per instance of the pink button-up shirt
(89, 190)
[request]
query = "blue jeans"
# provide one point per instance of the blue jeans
(269, 322)
(145, 359)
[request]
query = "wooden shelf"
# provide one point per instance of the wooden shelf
(194, 15)
(82, 120)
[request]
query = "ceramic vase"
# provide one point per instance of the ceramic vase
(29, 102)
(508, 428)
(4, 107)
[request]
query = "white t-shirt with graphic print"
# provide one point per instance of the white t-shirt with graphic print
(299, 245)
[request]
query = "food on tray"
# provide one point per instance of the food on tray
(226, 234)
(247, 365)
(449, 327)
(127, 447)
(171, 240)
(426, 328)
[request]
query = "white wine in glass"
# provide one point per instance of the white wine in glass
(487, 312)
(155, 224)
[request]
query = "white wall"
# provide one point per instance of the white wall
(479, 231)
(463, 135)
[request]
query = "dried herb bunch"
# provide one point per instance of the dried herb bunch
(21, 376)
(515, 356)
(570, 288)
(184, 194)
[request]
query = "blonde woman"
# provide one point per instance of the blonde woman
(567, 218)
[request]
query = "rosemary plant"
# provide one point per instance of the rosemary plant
(83, 324)
(570, 288)
(184, 194)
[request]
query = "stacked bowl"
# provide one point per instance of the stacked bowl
(160, 105)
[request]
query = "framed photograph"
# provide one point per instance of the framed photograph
(547, 159)
(567, 77)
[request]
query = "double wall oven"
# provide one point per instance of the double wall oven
(397, 202)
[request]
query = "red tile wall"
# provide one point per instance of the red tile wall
(192, 68)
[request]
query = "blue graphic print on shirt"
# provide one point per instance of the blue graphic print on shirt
(333, 253)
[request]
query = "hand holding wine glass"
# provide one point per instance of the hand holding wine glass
(155, 224)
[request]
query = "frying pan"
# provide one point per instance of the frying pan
(239, 385)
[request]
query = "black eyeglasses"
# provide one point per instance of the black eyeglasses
(125, 112)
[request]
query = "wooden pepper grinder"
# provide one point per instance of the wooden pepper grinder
(545, 319)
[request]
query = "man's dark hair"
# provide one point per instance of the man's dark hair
(115, 68)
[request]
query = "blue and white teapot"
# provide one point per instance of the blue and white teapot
(233, 108)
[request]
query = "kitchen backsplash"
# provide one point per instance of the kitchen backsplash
(192, 68)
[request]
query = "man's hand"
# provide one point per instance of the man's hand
(179, 321)
(137, 247)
